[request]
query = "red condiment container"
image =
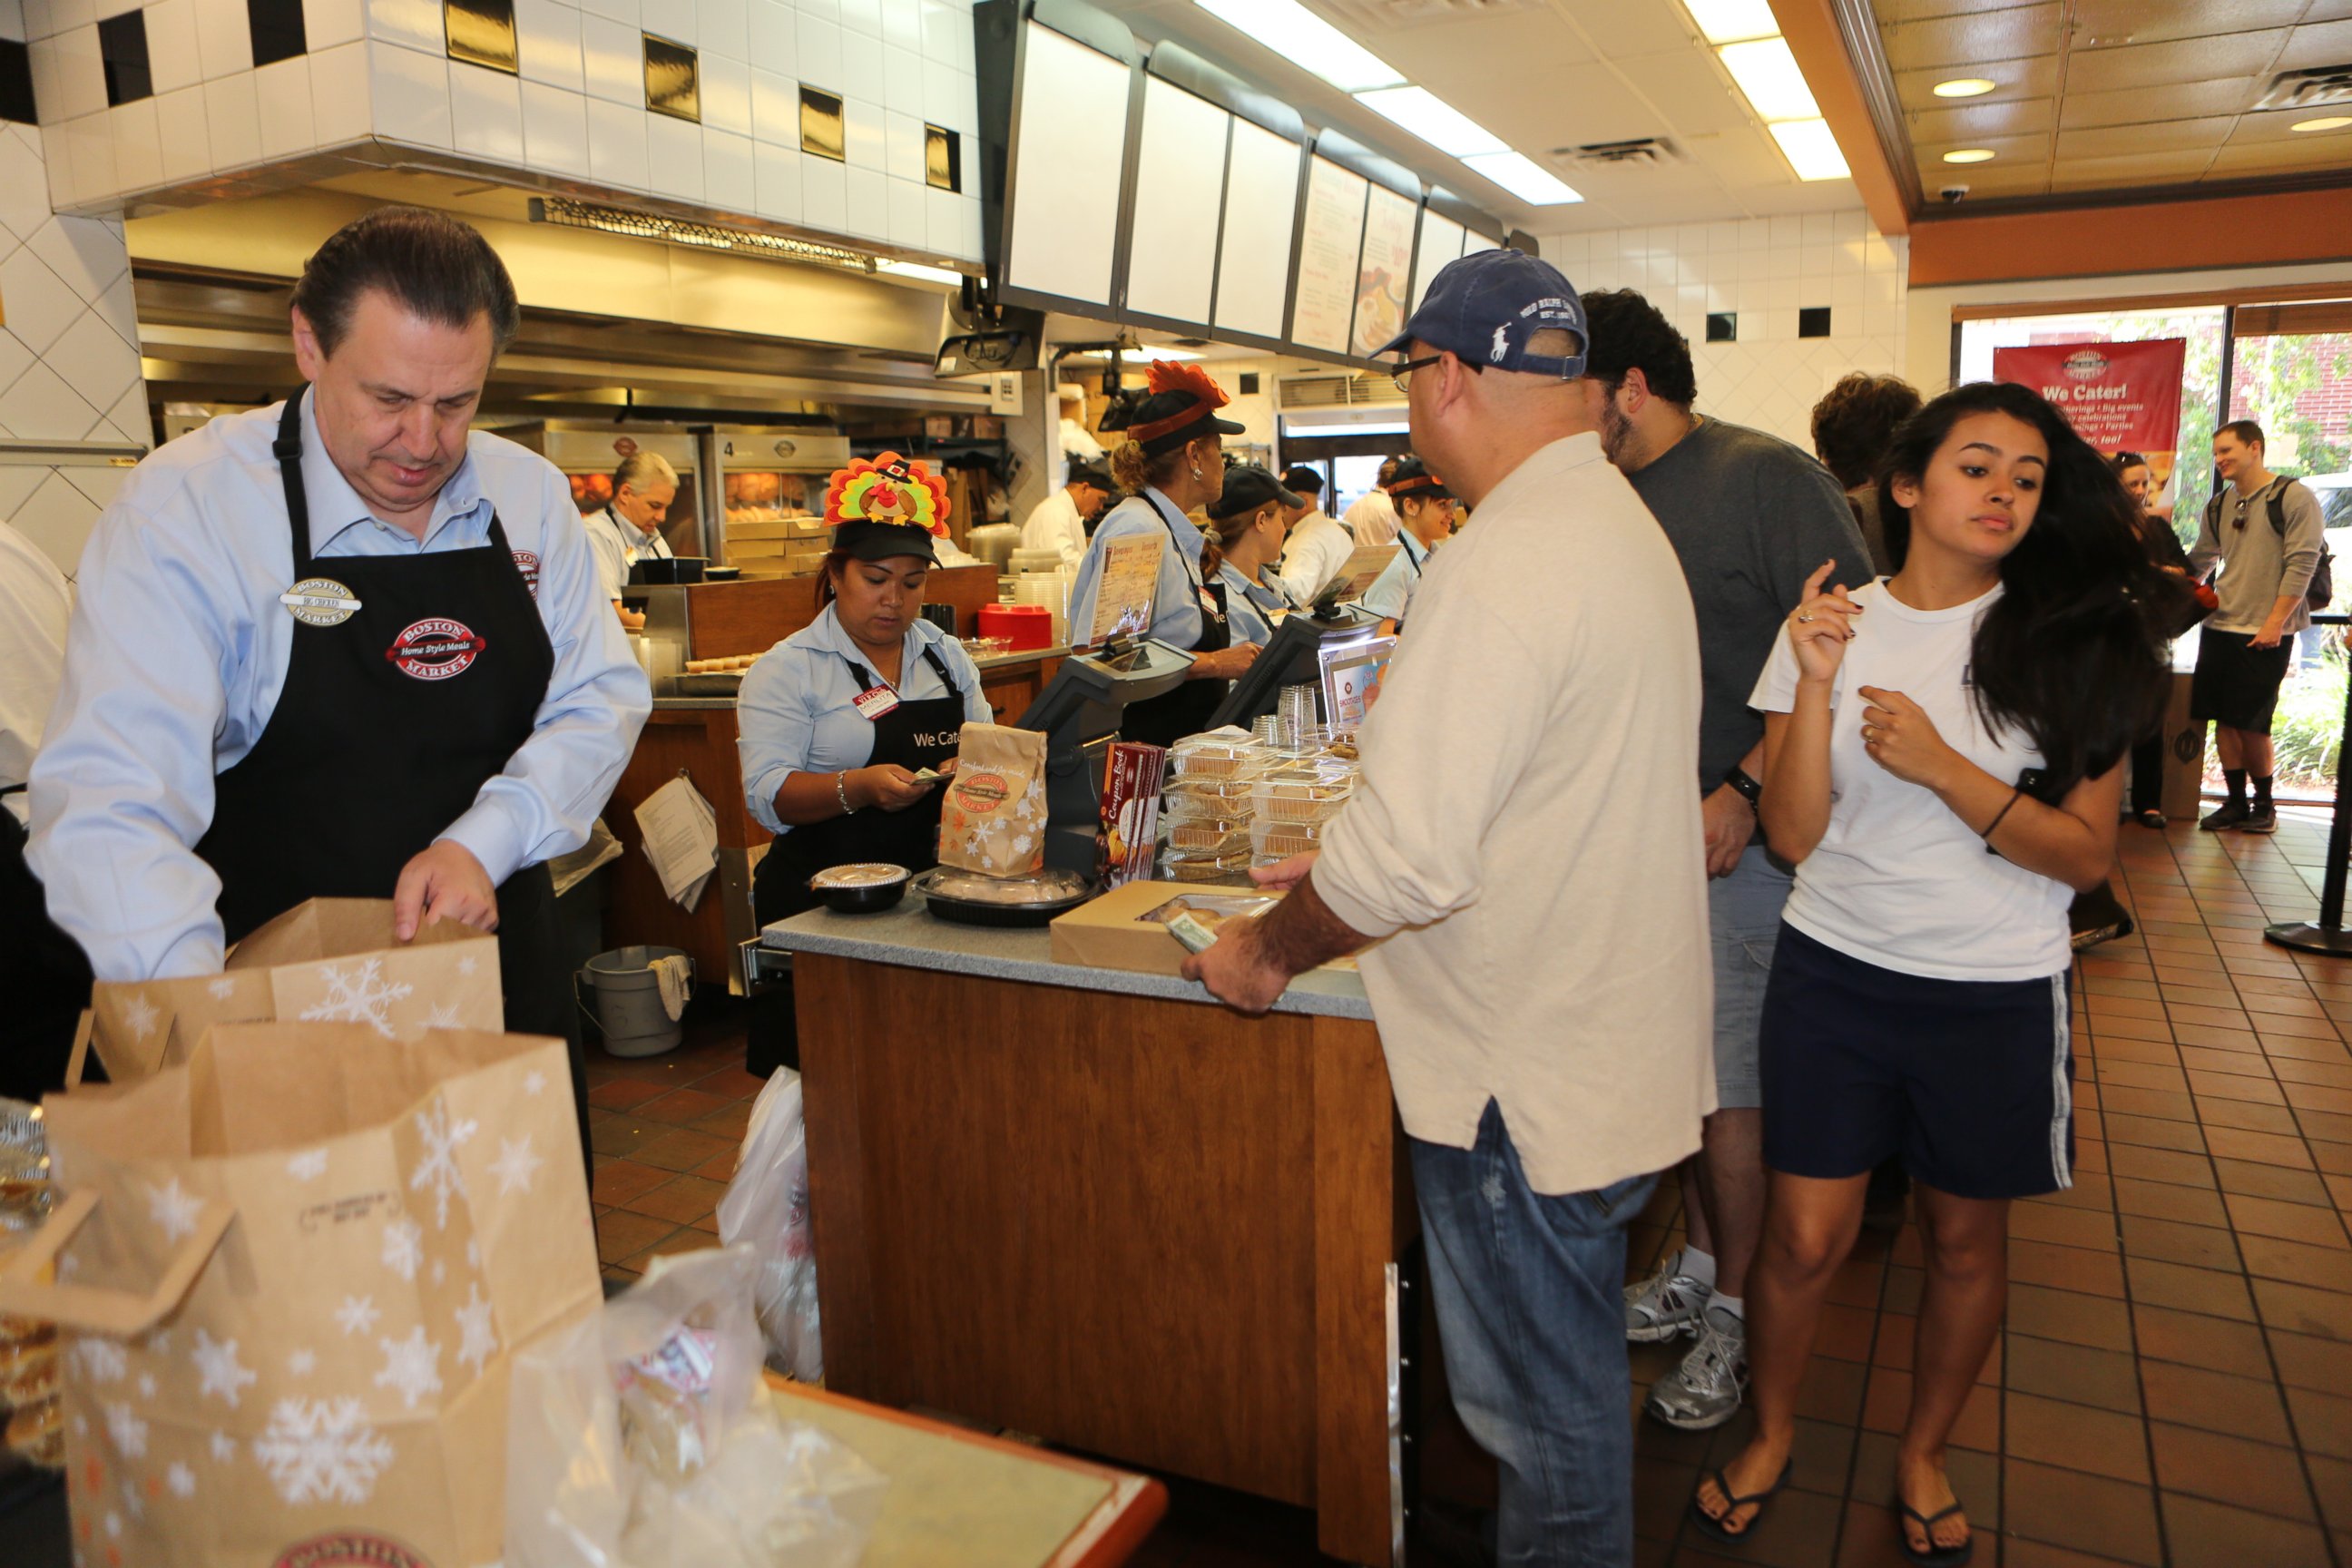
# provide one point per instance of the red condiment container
(1025, 625)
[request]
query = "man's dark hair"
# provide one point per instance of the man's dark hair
(1303, 481)
(2247, 432)
(435, 267)
(1856, 419)
(1630, 333)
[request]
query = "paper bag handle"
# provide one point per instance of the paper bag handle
(93, 1308)
(78, 1063)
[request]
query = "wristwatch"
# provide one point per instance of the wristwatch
(1752, 791)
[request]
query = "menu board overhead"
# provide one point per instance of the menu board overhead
(1173, 253)
(1382, 270)
(1330, 245)
(1441, 242)
(1069, 154)
(1261, 207)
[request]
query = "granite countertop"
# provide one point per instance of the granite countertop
(994, 662)
(909, 937)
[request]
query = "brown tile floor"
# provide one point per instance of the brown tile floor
(2175, 1383)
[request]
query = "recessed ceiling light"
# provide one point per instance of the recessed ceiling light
(1811, 150)
(1147, 351)
(1963, 87)
(2325, 122)
(1307, 41)
(1969, 155)
(1767, 73)
(1524, 178)
(920, 272)
(1729, 21)
(1433, 120)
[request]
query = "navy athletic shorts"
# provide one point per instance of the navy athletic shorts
(1970, 1081)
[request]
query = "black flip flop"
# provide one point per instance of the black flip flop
(1734, 1503)
(1935, 1556)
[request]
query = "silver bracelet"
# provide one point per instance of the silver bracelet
(841, 790)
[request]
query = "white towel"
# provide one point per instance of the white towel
(675, 976)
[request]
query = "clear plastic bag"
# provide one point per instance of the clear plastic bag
(641, 1437)
(766, 1209)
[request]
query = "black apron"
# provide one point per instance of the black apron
(912, 735)
(1169, 718)
(44, 977)
(389, 724)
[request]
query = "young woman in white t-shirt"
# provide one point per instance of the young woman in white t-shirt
(1942, 756)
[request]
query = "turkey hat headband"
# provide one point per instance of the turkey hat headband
(1181, 409)
(886, 507)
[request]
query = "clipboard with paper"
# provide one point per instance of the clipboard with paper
(680, 833)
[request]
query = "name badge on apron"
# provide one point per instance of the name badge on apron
(319, 602)
(876, 702)
(1209, 605)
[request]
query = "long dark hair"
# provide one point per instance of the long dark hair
(2070, 656)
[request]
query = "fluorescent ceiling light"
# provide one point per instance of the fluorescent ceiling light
(1963, 87)
(1524, 178)
(1969, 155)
(919, 272)
(2325, 122)
(1148, 352)
(1810, 148)
(1307, 41)
(1729, 21)
(1767, 73)
(1433, 120)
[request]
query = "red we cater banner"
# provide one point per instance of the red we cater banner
(2120, 397)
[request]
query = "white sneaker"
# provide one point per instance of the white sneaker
(1665, 1306)
(1704, 1391)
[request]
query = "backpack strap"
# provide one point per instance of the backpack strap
(2278, 507)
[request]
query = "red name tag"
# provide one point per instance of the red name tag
(873, 704)
(1209, 605)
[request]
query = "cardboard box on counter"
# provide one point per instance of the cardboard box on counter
(1112, 933)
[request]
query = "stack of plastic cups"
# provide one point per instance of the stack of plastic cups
(1296, 732)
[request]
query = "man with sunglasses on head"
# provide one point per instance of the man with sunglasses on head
(2265, 531)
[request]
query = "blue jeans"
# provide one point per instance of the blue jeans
(1530, 1308)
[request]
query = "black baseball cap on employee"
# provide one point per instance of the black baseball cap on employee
(1091, 474)
(1249, 487)
(1414, 481)
(1485, 307)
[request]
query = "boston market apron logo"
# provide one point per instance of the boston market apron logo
(436, 649)
(528, 565)
(347, 1549)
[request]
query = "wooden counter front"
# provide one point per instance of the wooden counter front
(1149, 1229)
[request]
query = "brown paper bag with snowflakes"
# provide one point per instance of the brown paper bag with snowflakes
(326, 961)
(993, 819)
(292, 1269)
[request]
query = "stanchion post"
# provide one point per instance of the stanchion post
(2327, 933)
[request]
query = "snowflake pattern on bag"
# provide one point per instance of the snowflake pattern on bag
(358, 995)
(218, 1369)
(412, 1367)
(438, 1169)
(321, 1450)
(403, 1246)
(477, 1341)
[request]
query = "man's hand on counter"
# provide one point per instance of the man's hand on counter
(444, 882)
(1254, 960)
(1238, 971)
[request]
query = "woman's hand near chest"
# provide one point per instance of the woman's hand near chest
(1900, 737)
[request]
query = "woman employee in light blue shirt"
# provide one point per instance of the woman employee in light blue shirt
(1247, 527)
(1424, 509)
(838, 718)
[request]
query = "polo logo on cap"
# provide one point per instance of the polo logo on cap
(436, 649)
(1502, 345)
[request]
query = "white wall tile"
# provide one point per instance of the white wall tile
(223, 38)
(172, 57)
(726, 95)
(613, 10)
(671, 19)
(673, 158)
(57, 164)
(616, 144)
(828, 10)
(612, 56)
(862, 134)
(868, 193)
(947, 34)
(104, 9)
(485, 114)
(723, 28)
(233, 120)
(824, 200)
(138, 153)
(282, 90)
(339, 94)
(902, 80)
(944, 216)
(412, 24)
(180, 134)
(775, 109)
(910, 215)
(547, 43)
(971, 227)
(40, 406)
(777, 174)
(81, 76)
(90, 146)
(93, 358)
(327, 23)
(949, 97)
(555, 129)
(41, 305)
(65, 14)
(862, 19)
(24, 20)
(728, 182)
(902, 157)
(772, 36)
(410, 95)
(43, 54)
(819, 52)
(902, 24)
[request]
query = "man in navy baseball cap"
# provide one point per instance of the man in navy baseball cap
(1497, 309)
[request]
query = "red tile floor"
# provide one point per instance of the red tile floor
(2175, 1383)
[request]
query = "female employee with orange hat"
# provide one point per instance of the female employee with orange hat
(1172, 461)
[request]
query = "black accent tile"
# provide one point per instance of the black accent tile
(822, 132)
(1723, 326)
(17, 83)
(1814, 321)
(122, 51)
(1249, 383)
(276, 27)
(673, 81)
(480, 32)
(942, 159)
